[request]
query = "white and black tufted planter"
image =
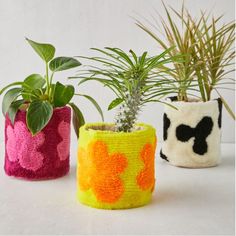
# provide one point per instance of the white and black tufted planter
(192, 134)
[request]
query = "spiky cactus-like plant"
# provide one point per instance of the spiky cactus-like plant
(134, 80)
(128, 111)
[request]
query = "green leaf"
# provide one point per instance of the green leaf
(63, 63)
(13, 109)
(94, 103)
(115, 103)
(227, 107)
(78, 118)
(122, 55)
(134, 55)
(45, 51)
(8, 98)
(31, 86)
(34, 81)
(38, 115)
(62, 94)
(142, 58)
(10, 85)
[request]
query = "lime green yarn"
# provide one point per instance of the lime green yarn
(120, 145)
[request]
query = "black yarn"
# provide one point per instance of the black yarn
(166, 125)
(200, 133)
(220, 112)
(163, 156)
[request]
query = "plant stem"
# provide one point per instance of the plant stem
(50, 86)
(51, 78)
(128, 112)
(47, 80)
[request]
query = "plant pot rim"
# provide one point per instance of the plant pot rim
(193, 101)
(144, 128)
(54, 109)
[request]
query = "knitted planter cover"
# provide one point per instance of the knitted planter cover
(115, 169)
(192, 134)
(43, 156)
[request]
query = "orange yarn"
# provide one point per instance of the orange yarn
(146, 179)
(100, 171)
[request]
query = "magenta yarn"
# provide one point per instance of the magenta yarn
(43, 156)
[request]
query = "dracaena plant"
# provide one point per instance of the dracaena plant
(170, 35)
(214, 52)
(39, 95)
(134, 80)
(207, 49)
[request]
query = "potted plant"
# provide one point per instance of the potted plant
(192, 132)
(116, 160)
(37, 124)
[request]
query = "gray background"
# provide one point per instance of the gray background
(74, 26)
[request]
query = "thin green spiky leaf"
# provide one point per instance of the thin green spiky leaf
(93, 101)
(227, 107)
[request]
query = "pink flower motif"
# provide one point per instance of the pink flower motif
(63, 148)
(23, 147)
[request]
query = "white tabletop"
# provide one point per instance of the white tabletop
(186, 202)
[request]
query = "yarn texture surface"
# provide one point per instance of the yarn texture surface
(146, 179)
(42, 156)
(192, 134)
(115, 169)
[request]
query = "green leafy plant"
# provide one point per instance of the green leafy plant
(134, 80)
(170, 35)
(215, 56)
(39, 95)
(206, 47)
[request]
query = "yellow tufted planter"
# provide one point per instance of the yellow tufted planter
(115, 169)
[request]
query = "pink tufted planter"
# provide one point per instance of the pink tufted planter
(39, 157)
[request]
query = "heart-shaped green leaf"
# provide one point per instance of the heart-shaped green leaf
(13, 109)
(31, 85)
(34, 81)
(63, 63)
(38, 115)
(78, 118)
(8, 98)
(62, 94)
(115, 103)
(45, 51)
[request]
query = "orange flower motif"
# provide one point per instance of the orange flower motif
(100, 171)
(146, 179)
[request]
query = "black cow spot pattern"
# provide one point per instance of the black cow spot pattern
(200, 133)
(220, 112)
(166, 125)
(163, 156)
(173, 99)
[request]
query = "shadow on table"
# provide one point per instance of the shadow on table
(164, 195)
(170, 195)
(72, 173)
(227, 161)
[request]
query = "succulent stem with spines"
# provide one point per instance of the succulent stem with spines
(129, 109)
(134, 80)
(128, 112)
